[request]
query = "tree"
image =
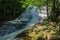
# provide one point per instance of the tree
(55, 10)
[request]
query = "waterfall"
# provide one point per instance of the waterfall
(30, 17)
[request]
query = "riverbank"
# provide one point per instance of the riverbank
(41, 32)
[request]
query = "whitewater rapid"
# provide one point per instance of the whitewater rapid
(32, 16)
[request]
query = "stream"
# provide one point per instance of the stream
(30, 17)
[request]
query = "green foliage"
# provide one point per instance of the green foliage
(33, 2)
(11, 9)
(40, 32)
(45, 23)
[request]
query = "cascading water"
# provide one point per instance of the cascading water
(29, 18)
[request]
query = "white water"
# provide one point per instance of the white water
(32, 16)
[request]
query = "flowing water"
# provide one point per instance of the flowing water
(30, 17)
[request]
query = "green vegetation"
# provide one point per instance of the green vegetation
(48, 30)
(42, 32)
(11, 9)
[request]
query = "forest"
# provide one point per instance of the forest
(30, 19)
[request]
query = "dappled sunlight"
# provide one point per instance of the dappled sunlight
(40, 31)
(29, 20)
